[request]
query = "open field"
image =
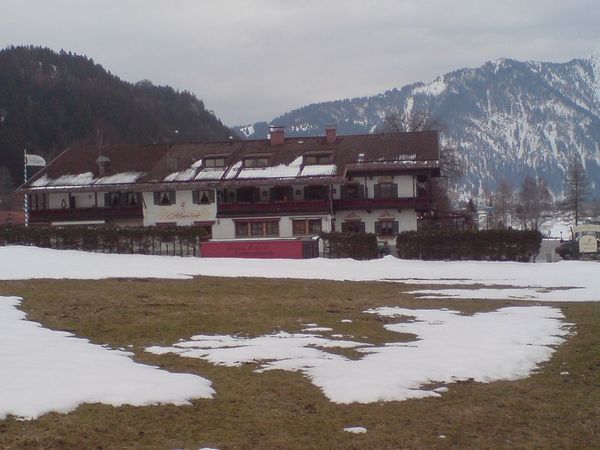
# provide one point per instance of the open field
(557, 407)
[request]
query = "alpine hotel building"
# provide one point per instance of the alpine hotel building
(278, 188)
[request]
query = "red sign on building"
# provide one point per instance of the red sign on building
(293, 249)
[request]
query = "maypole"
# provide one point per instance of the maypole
(25, 195)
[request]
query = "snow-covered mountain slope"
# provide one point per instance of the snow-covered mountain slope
(508, 118)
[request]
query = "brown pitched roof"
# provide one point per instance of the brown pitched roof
(77, 168)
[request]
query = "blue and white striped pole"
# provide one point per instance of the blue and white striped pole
(25, 205)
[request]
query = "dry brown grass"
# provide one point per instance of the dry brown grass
(279, 409)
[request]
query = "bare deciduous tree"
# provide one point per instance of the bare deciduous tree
(534, 206)
(451, 167)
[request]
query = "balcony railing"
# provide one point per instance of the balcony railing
(74, 214)
(258, 208)
(378, 203)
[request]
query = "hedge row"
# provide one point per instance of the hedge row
(488, 245)
(147, 240)
(350, 245)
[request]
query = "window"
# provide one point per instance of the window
(120, 199)
(214, 162)
(256, 162)
(386, 190)
(257, 228)
(353, 226)
(386, 228)
(317, 159)
(241, 229)
(203, 197)
(165, 198)
(352, 191)
(316, 193)
(303, 227)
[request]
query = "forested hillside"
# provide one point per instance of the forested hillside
(49, 101)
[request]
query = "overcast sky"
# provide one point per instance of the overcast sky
(252, 60)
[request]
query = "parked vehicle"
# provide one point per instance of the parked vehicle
(584, 244)
(568, 250)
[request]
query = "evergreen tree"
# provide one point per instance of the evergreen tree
(503, 204)
(50, 101)
(578, 190)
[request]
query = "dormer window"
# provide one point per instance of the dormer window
(311, 160)
(214, 162)
(256, 162)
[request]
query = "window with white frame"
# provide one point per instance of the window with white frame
(203, 197)
(386, 227)
(214, 162)
(165, 198)
(353, 226)
(306, 227)
(256, 228)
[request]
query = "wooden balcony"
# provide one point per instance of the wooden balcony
(77, 214)
(382, 203)
(272, 208)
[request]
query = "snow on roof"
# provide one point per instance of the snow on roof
(182, 175)
(119, 178)
(85, 179)
(210, 173)
(320, 170)
(40, 182)
(80, 179)
(233, 170)
(280, 171)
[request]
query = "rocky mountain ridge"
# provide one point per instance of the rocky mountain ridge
(507, 118)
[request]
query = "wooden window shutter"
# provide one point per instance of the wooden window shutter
(395, 227)
(172, 197)
(211, 196)
(106, 199)
(156, 198)
(377, 191)
(361, 191)
(195, 197)
(377, 227)
(394, 190)
(361, 227)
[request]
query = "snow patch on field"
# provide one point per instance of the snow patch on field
(507, 344)
(355, 430)
(577, 280)
(43, 370)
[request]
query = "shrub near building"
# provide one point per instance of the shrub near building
(350, 245)
(486, 245)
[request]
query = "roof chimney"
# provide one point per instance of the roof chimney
(103, 162)
(330, 134)
(277, 135)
